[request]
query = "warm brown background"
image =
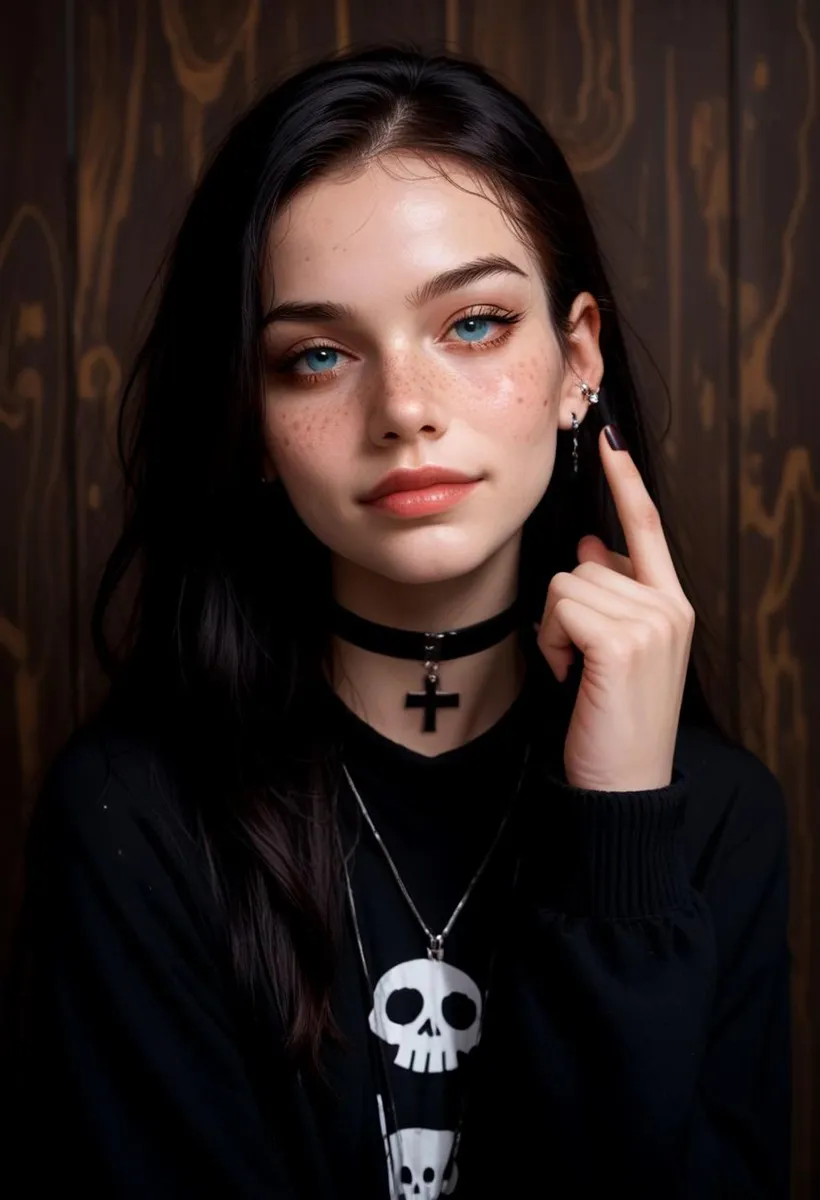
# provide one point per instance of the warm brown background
(693, 128)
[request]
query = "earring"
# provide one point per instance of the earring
(575, 428)
(589, 393)
(592, 396)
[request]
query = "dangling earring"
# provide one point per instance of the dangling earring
(592, 396)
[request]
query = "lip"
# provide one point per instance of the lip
(415, 480)
(424, 502)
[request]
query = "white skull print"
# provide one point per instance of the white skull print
(418, 1160)
(430, 1010)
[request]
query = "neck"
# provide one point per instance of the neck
(374, 685)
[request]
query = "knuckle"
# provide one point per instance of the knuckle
(646, 634)
(561, 605)
(688, 613)
(666, 628)
(681, 613)
(588, 570)
(635, 642)
(557, 585)
(621, 650)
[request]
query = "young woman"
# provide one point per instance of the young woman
(404, 858)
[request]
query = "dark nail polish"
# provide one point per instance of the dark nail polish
(615, 437)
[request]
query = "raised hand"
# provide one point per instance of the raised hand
(630, 618)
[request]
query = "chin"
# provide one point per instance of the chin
(420, 558)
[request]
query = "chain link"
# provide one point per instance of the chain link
(435, 941)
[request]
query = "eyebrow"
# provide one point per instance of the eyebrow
(447, 281)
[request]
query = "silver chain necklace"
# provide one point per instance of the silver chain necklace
(435, 941)
(435, 952)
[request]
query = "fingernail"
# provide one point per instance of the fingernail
(615, 437)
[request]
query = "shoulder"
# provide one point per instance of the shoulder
(99, 755)
(732, 795)
(111, 851)
(110, 787)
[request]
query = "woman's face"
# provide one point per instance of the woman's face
(394, 371)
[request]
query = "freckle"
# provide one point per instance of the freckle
(520, 400)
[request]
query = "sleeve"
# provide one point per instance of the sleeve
(646, 1020)
(134, 1082)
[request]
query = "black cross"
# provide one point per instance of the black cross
(431, 700)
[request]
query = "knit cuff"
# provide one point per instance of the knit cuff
(607, 854)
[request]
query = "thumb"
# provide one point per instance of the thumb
(592, 549)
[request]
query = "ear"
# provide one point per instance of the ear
(584, 363)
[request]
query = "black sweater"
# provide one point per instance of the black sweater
(635, 1036)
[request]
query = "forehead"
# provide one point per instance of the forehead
(397, 212)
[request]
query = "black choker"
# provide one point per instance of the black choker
(428, 648)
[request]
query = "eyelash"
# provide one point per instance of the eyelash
(502, 317)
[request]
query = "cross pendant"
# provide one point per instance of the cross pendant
(431, 700)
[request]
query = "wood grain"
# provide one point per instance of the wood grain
(778, 144)
(36, 608)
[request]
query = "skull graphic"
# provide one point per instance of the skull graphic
(419, 1159)
(430, 1010)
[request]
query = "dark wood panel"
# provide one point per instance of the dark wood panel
(35, 608)
(423, 22)
(778, 144)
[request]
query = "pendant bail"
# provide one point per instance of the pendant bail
(431, 699)
(435, 951)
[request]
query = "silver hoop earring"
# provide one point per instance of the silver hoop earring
(575, 428)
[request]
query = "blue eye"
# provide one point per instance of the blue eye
(475, 327)
(321, 360)
(315, 361)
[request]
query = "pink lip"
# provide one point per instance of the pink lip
(424, 502)
(413, 480)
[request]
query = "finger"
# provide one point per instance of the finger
(592, 549)
(609, 593)
(674, 604)
(624, 585)
(640, 519)
(572, 624)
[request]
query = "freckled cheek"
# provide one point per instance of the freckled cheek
(519, 402)
(306, 445)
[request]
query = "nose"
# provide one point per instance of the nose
(406, 405)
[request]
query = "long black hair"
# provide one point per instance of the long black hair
(225, 647)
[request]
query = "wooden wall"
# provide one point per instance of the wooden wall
(693, 127)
